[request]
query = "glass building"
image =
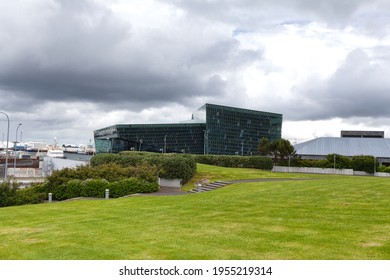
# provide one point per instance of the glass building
(213, 129)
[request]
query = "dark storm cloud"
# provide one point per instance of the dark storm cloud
(80, 51)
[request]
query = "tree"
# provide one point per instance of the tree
(264, 146)
(279, 150)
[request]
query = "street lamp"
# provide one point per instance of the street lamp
(16, 140)
(6, 149)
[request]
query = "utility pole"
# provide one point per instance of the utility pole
(6, 149)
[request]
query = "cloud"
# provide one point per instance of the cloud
(81, 51)
(359, 88)
(80, 65)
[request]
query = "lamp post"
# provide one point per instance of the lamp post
(334, 163)
(16, 140)
(289, 163)
(6, 149)
(205, 137)
(242, 148)
(165, 144)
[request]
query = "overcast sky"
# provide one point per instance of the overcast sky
(68, 67)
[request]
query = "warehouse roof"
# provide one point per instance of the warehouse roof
(377, 147)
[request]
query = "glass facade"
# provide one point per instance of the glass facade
(178, 138)
(214, 129)
(232, 130)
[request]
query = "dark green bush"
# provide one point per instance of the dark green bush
(364, 163)
(97, 188)
(131, 186)
(81, 188)
(258, 162)
(170, 166)
(384, 169)
(10, 195)
(94, 188)
(109, 171)
(177, 167)
(342, 162)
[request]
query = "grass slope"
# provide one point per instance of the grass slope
(328, 217)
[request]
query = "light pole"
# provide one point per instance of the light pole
(205, 136)
(165, 144)
(289, 163)
(6, 149)
(16, 140)
(334, 163)
(242, 148)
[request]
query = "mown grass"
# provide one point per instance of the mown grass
(328, 217)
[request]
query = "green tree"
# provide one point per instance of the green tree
(279, 150)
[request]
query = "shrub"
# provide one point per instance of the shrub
(29, 196)
(94, 187)
(384, 169)
(258, 162)
(364, 163)
(109, 171)
(97, 188)
(342, 162)
(170, 166)
(131, 186)
(177, 167)
(10, 195)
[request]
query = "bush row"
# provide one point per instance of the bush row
(97, 188)
(110, 172)
(357, 163)
(10, 195)
(169, 166)
(258, 162)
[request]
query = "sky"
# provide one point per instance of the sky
(69, 67)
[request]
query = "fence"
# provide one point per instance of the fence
(313, 170)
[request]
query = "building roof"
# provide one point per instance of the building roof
(377, 147)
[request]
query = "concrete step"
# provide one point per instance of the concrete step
(209, 187)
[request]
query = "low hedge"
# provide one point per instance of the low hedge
(108, 171)
(11, 195)
(97, 187)
(258, 162)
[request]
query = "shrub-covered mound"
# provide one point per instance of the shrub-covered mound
(92, 181)
(10, 195)
(169, 166)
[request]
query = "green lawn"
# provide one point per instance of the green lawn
(327, 217)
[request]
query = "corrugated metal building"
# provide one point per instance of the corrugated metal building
(320, 147)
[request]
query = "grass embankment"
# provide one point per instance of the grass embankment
(331, 217)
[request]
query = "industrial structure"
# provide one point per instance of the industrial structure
(213, 129)
(352, 143)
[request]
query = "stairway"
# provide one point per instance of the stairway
(209, 187)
